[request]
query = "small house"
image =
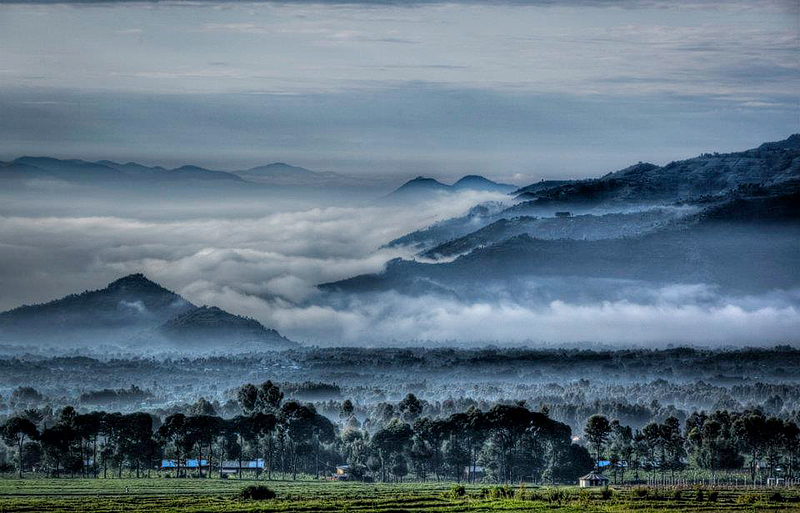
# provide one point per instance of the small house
(473, 472)
(593, 479)
(188, 464)
(341, 473)
(232, 466)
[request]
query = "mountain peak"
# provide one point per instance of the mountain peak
(134, 281)
(478, 182)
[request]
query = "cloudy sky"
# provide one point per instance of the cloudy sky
(515, 90)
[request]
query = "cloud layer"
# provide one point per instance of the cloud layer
(267, 267)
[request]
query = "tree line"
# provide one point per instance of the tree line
(505, 443)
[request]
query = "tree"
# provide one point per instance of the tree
(15, 431)
(597, 430)
(173, 431)
(410, 407)
(266, 398)
(57, 443)
(621, 447)
(347, 409)
(202, 407)
(391, 444)
(88, 427)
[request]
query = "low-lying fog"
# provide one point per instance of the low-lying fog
(263, 255)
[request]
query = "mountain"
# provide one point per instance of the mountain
(130, 301)
(110, 173)
(204, 325)
(709, 174)
(134, 311)
(103, 172)
(422, 188)
(280, 173)
(757, 261)
(479, 183)
(419, 188)
(744, 241)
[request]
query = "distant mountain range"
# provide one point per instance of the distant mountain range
(285, 174)
(731, 221)
(106, 172)
(421, 188)
(135, 311)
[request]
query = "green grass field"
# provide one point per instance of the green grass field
(217, 495)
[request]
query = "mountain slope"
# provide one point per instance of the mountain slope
(129, 301)
(206, 324)
(477, 217)
(708, 174)
(582, 227)
(749, 244)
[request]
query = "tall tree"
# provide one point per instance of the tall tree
(597, 431)
(15, 431)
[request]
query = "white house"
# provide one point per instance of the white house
(593, 479)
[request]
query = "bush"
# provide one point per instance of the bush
(457, 491)
(606, 494)
(501, 492)
(775, 497)
(641, 492)
(713, 496)
(256, 493)
(676, 495)
(699, 496)
(556, 496)
(748, 498)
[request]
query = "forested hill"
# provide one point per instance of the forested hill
(747, 241)
(130, 300)
(709, 174)
(136, 313)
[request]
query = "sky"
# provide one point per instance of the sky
(517, 91)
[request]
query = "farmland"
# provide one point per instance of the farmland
(212, 495)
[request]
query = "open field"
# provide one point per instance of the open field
(215, 495)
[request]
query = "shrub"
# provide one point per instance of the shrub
(256, 493)
(676, 495)
(501, 492)
(457, 491)
(699, 496)
(748, 498)
(713, 496)
(606, 494)
(775, 497)
(557, 496)
(641, 492)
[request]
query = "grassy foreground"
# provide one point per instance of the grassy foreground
(216, 495)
